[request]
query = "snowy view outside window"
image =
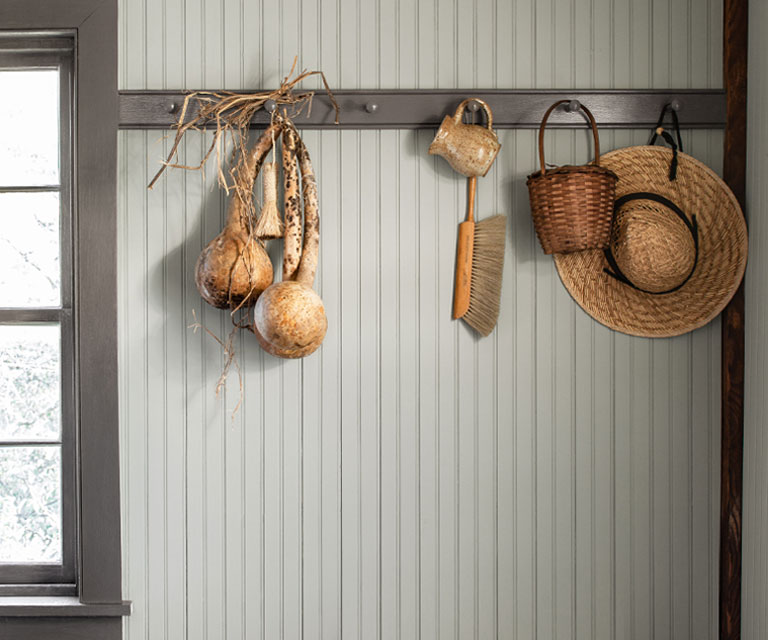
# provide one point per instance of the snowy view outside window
(29, 249)
(30, 354)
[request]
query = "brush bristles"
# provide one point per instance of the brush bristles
(269, 225)
(487, 270)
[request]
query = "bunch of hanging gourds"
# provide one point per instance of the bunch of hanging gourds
(234, 270)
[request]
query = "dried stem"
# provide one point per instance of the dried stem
(232, 114)
(230, 357)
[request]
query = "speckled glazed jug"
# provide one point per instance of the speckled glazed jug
(469, 148)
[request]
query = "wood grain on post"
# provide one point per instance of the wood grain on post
(732, 349)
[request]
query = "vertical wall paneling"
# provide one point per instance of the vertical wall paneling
(755, 565)
(410, 480)
(330, 396)
(369, 429)
(389, 424)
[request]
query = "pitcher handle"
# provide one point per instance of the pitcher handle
(460, 111)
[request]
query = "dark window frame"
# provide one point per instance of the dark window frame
(98, 600)
(35, 52)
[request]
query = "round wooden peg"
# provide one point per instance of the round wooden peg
(573, 106)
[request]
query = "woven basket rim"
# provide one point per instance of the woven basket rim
(573, 168)
(722, 259)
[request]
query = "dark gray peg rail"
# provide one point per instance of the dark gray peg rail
(425, 108)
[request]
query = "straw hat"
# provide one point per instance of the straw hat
(678, 247)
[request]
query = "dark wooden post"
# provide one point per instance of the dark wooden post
(732, 420)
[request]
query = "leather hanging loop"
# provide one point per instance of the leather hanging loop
(660, 131)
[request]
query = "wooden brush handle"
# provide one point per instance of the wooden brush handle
(464, 251)
(472, 187)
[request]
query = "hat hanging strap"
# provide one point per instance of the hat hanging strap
(692, 226)
(675, 123)
(660, 131)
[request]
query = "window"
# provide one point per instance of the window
(58, 318)
(37, 369)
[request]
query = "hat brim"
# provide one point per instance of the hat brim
(698, 191)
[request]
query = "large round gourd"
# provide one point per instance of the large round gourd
(234, 268)
(289, 320)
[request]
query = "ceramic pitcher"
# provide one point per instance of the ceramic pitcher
(469, 148)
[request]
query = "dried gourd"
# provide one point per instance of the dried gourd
(292, 202)
(234, 269)
(289, 317)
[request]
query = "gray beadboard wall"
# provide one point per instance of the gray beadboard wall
(555, 480)
(754, 559)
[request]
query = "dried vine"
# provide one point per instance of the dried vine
(232, 114)
(230, 358)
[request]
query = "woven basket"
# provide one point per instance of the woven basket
(572, 206)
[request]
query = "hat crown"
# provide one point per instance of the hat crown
(652, 246)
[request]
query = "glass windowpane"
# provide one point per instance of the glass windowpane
(29, 250)
(30, 504)
(30, 383)
(29, 127)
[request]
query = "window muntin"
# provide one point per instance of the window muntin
(37, 338)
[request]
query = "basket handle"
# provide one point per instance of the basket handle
(460, 111)
(544, 124)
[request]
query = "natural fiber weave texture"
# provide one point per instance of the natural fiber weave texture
(572, 205)
(655, 250)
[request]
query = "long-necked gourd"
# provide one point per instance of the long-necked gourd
(292, 201)
(289, 317)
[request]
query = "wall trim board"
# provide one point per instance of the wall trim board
(735, 30)
(94, 131)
